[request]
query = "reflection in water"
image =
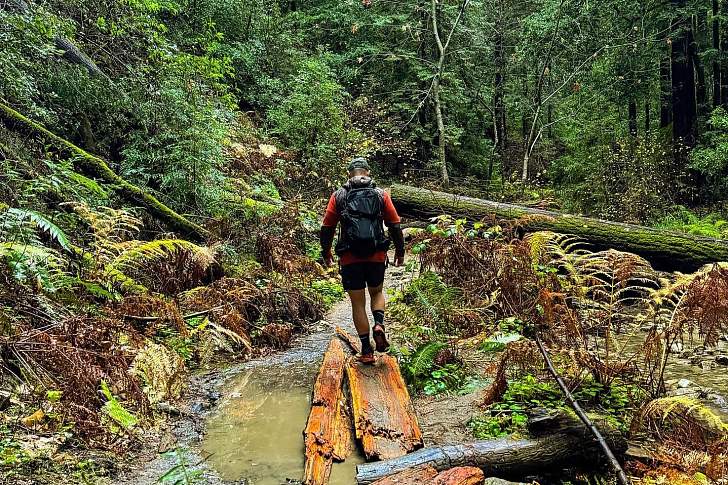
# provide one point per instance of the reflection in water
(257, 433)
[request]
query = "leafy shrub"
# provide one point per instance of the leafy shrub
(311, 119)
(329, 290)
(684, 220)
(710, 158)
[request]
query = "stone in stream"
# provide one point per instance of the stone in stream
(721, 359)
(683, 383)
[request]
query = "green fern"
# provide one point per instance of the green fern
(114, 410)
(422, 361)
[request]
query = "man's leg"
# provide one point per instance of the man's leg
(359, 311)
(376, 295)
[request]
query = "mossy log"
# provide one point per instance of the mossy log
(328, 431)
(665, 249)
(384, 418)
(94, 166)
(559, 441)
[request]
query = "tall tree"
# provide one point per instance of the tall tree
(684, 109)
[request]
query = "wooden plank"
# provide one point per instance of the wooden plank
(327, 434)
(384, 419)
(349, 340)
(462, 475)
(413, 476)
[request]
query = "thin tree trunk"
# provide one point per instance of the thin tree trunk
(684, 110)
(436, 96)
(632, 116)
(716, 48)
(665, 92)
(648, 116)
(723, 54)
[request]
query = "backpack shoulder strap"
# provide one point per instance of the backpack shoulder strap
(340, 199)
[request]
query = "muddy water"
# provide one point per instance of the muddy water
(256, 434)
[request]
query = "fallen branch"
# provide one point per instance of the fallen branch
(140, 318)
(583, 417)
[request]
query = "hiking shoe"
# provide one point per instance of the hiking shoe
(380, 339)
(366, 358)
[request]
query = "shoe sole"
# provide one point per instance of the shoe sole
(380, 339)
(366, 360)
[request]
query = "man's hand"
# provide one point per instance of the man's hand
(328, 259)
(399, 260)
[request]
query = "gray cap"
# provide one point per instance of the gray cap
(360, 163)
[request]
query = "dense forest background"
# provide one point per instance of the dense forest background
(164, 164)
(617, 106)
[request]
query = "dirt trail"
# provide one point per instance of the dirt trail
(217, 393)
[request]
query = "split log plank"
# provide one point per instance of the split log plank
(462, 475)
(410, 477)
(384, 418)
(666, 249)
(327, 434)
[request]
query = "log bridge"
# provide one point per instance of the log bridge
(372, 403)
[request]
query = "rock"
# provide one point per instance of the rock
(721, 359)
(707, 365)
(167, 408)
(500, 481)
(676, 348)
(686, 391)
(685, 354)
(684, 383)
(646, 328)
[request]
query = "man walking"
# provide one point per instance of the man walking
(363, 209)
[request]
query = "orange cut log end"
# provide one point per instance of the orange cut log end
(327, 434)
(462, 475)
(384, 419)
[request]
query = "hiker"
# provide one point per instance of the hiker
(363, 209)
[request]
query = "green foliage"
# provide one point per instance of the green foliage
(683, 219)
(329, 290)
(115, 411)
(608, 181)
(710, 159)
(183, 472)
(312, 120)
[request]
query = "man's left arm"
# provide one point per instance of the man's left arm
(392, 220)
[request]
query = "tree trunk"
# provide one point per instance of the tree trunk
(571, 446)
(499, 111)
(384, 419)
(666, 249)
(632, 117)
(684, 110)
(697, 39)
(436, 96)
(648, 116)
(96, 167)
(665, 92)
(716, 48)
(327, 435)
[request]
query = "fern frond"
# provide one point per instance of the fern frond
(162, 371)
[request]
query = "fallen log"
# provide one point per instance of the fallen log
(666, 249)
(384, 419)
(568, 445)
(96, 167)
(327, 434)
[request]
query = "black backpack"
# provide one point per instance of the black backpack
(362, 222)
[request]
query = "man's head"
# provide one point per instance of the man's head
(359, 167)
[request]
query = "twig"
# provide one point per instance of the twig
(621, 476)
(184, 317)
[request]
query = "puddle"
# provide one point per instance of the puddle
(256, 434)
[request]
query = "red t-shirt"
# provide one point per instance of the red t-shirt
(332, 217)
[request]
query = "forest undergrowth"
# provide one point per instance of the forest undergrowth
(480, 297)
(103, 315)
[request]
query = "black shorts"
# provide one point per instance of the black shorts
(358, 276)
